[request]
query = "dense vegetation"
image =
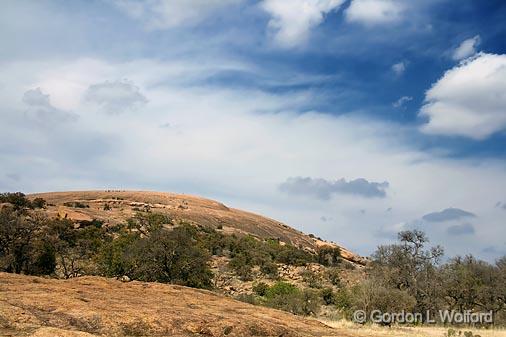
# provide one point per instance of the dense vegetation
(408, 276)
(142, 249)
(152, 247)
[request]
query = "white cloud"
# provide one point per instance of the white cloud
(399, 68)
(165, 14)
(466, 49)
(375, 12)
(402, 101)
(292, 21)
(115, 97)
(324, 189)
(228, 135)
(469, 100)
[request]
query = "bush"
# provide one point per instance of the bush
(39, 203)
(343, 300)
(294, 256)
(312, 279)
(260, 288)
(370, 295)
(281, 288)
(17, 199)
(328, 296)
(329, 256)
(270, 269)
(241, 265)
(334, 276)
(287, 297)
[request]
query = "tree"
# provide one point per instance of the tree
(22, 247)
(17, 234)
(409, 266)
(17, 199)
(75, 248)
(159, 256)
(329, 256)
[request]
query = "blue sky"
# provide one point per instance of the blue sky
(349, 119)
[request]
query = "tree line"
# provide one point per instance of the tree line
(412, 277)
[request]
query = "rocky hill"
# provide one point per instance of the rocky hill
(94, 306)
(114, 207)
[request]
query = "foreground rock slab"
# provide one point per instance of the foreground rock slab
(95, 306)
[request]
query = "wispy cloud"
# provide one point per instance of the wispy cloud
(463, 229)
(402, 101)
(162, 14)
(467, 48)
(399, 68)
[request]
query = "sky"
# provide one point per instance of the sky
(348, 119)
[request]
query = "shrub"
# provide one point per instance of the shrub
(281, 288)
(270, 269)
(334, 276)
(75, 204)
(260, 288)
(312, 279)
(343, 300)
(328, 296)
(39, 203)
(370, 295)
(242, 266)
(291, 255)
(329, 256)
(17, 199)
(287, 297)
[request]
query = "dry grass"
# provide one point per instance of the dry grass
(358, 330)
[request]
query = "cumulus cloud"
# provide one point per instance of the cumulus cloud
(469, 100)
(323, 189)
(466, 49)
(463, 229)
(115, 97)
(291, 21)
(402, 101)
(399, 68)
(375, 12)
(40, 107)
(163, 14)
(448, 214)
